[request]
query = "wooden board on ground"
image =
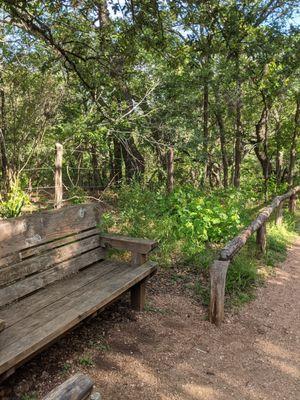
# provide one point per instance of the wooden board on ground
(78, 387)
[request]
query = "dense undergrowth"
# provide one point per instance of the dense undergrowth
(191, 226)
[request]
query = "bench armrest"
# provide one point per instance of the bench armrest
(135, 245)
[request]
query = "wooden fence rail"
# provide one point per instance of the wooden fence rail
(220, 266)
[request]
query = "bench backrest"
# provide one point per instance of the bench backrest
(40, 248)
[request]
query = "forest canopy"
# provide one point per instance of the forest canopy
(155, 92)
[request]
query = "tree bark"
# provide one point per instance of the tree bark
(95, 166)
(261, 145)
(4, 160)
(293, 148)
(238, 128)
(170, 170)
(222, 135)
(205, 132)
(117, 161)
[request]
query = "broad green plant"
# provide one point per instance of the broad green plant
(12, 204)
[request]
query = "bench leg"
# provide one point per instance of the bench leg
(138, 295)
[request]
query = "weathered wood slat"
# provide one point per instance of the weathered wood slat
(30, 305)
(11, 259)
(141, 246)
(47, 260)
(2, 325)
(25, 232)
(57, 243)
(62, 318)
(66, 303)
(78, 387)
(62, 270)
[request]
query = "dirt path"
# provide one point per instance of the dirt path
(171, 352)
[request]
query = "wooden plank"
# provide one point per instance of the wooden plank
(78, 387)
(138, 296)
(138, 259)
(61, 319)
(142, 246)
(47, 260)
(26, 325)
(30, 305)
(13, 258)
(38, 228)
(62, 270)
(57, 243)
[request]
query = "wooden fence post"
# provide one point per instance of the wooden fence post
(292, 203)
(58, 176)
(261, 238)
(279, 214)
(218, 272)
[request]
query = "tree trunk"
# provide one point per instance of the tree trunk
(133, 159)
(279, 151)
(293, 148)
(205, 133)
(103, 13)
(238, 128)
(95, 166)
(117, 161)
(170, 170)
(222, 136)
(4, 160)
(261, 146)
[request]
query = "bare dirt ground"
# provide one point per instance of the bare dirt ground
(171, 352)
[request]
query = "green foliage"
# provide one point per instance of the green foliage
(29, 397)
(242, 274)
(66, 367)
(11, 206)
(183, 222)
(278, 238)
(86, 362)
(202, 291)
(77, 195)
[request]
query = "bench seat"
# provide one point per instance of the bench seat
(37, 320)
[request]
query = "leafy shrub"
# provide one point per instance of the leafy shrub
(191, 226)
(77, 195)
(183, 222)
(12, 204)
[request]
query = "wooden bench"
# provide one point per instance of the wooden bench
(54, 273)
